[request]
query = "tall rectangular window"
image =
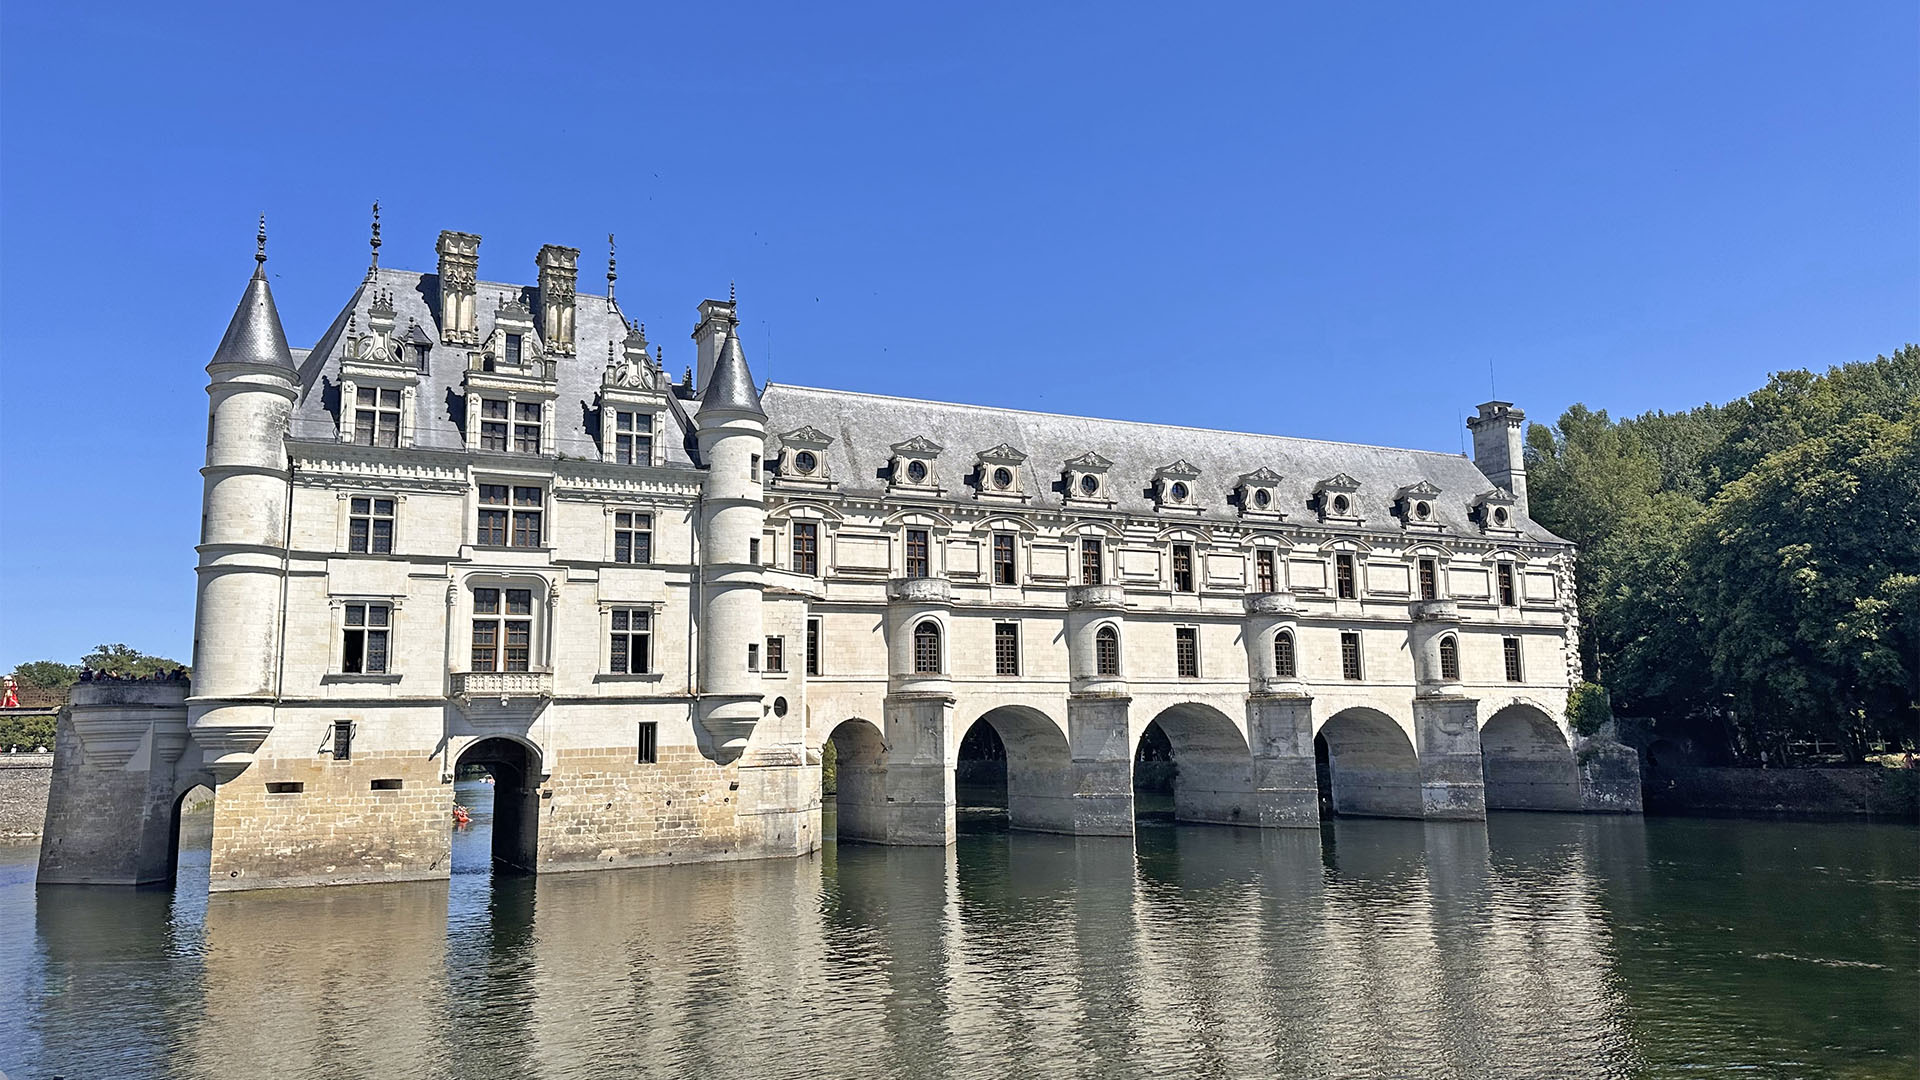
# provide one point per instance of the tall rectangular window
(513, 349)
(649, 743)
(753, 551)
(364, 652)
(632, 438)
(776, 654)
(916, 553)
(1183, 568)
(527, 504)
(342, 740)
(632, 537)
(753, 466)
(376, 417)
(492, 531)
(1006, 648)
(813, 646)
(1263, 571)
(526, 427)
(630, 649)
(493, 424)
(1429, 579)
(753, 657)
(1004, 572)
(1343, 576)
(1510, 651)
(502, 631)
(806, 548)
(1186, 651)
(1090, 560)
(1350, 656)
(1505, 573)
(370, 526)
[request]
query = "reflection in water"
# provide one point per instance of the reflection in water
(1535, 946)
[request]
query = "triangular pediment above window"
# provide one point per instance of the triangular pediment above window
(1338, 482)
(1181, 468)
(1261, 476)
(806, 435)
(1003, 454)
(1089, 460)
(919, 446)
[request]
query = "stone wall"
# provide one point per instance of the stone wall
(1867, 790)
(24, 779)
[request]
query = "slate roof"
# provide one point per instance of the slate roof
(865, 427)
(416, 296)
(254, 336)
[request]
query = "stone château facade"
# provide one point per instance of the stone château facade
(478, 523)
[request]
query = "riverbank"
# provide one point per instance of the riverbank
(1861, 791)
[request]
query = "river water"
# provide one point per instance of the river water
(1534, 946)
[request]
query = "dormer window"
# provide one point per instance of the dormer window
(1494, 511)
(376, 417)
(802, 457)
(805, 463)
(1002, 478)
(1258, 493)
(1414, 504)
(999, 473)
(913, 464)
(513, 350)
(1084, 480)
(1173, 485)
(1089, 485)
(916, 472)
(1262, 499)
(1336, 498)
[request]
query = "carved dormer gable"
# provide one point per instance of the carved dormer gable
(1086, 482)
(1174, 490)
(998, 474)
(514, 347)
(1494, 512)
(1258, 494)
(629, 370)
(378, 380)
(417, 344)
(1335, 501)
(912, 467)
(802, 458)
(1414, 506)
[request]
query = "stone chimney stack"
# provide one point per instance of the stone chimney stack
(459, 275)
(559, 272)
(1498, 448)
(716, 318)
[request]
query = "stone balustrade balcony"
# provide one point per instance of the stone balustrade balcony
(1103, 597)
(920, 590)
(1271, 603)
(503, 685)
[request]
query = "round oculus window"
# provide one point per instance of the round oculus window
(1340, 504)
(1262, 497)
(1177, 492)
(804, 463)
(1003, 478)
(1423, 510)
(1499, 515)
(916, 472)
(779, 706)
(1089, 485)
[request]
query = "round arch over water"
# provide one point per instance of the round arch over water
(860, 780)
(1039, 767)
(1213, 768)
(1526, 762)
(1370, 768)
(515, 766)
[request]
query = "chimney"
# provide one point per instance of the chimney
(459, 275)
(716, 316)
(1498, 434)
(559, 271)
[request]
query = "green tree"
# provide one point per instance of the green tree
(48, 675)
(127, 662)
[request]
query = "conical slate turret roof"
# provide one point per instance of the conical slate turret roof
(731, 384)
(255, 335)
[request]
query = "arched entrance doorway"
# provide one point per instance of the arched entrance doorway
(1195, 754)
(1367, 766)
(1526, 762)
(854, 781)
(1018, 757)
(190, 837)
(497, 781)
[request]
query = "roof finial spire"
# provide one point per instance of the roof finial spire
(374, 266)
(260, 245)
(611, 275)
(730, 293)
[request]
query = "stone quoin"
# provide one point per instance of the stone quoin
(478, 524)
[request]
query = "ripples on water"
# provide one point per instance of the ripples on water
(1535, 946)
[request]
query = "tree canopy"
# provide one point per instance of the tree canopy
(1753, 569)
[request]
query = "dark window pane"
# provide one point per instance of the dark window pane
(357, 534)
(382, 536)
(520, 602)
(377, 652)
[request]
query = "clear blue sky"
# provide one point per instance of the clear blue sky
(1313, 219)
